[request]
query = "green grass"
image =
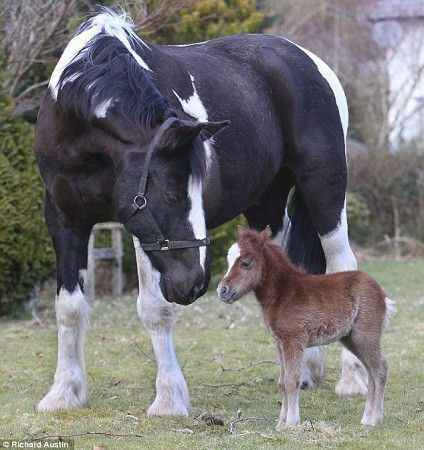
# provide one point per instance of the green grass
(211, 337)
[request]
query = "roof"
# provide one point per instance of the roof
(396, 10)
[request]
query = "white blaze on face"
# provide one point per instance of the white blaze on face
(196, 215)
(195, 108)
(232, 256)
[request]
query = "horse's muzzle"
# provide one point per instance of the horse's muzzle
(182, 297)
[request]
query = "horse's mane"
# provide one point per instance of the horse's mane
(105, 73)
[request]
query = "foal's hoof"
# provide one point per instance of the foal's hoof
(368, 423)
(285, 424)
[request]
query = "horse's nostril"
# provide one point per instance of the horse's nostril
(224, 289)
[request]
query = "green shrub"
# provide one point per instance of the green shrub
(26, 254)
(358, 218)
(209, 19)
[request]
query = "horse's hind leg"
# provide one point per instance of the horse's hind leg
(70, 242)
(339, 257)
(157, 316)
(323, 190)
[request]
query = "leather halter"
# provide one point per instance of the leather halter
(139, 204)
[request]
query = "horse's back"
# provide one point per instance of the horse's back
(296, 90)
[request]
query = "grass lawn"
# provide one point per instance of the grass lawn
(212, 340)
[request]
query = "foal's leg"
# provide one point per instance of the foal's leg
(369, 405)
(379, 374)
(157, 316)
(70, 242)
(283, 412)
(292, 355)
(366, 346)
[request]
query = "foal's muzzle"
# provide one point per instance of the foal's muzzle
(226, 294)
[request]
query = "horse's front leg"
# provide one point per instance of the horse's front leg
(157, 316)
(70, 242)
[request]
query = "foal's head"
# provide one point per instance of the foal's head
(246, 264)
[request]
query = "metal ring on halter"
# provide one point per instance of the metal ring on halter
(138, 197)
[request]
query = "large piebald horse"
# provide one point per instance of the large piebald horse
(139, 133)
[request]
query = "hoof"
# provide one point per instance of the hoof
(168, 407)
(351, 386)
(292, 423)
(368, 423)
(280, 425)
(65, 394)
(54, 402)
(172, 398)
(313, 368)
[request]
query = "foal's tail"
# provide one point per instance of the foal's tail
(390, 311)
(301, 240)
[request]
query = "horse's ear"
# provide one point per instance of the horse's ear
(266, 234)
(212, 128)
(183, 132)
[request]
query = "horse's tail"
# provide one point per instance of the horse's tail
(301, 240)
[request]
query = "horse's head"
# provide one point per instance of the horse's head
(246, 263)
(171, 205)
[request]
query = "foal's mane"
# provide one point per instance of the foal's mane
(253, 241)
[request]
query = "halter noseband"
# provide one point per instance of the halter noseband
(140, 204)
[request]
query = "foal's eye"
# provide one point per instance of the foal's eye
(172, 197)
(246, 264)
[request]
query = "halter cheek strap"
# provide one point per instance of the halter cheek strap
(139, 204)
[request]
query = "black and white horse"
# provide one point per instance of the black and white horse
(110, 97)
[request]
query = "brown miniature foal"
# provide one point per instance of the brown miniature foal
(303, 310)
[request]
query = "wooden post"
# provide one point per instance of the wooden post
(117, 264)
(90, 288)
(115, 253)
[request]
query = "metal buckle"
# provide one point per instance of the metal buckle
(164, 245)
(138, 197)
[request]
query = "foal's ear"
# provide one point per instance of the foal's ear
(241, 231)
(183, 132)
(266, 234)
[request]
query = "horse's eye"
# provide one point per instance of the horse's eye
(172, 197)
(246, 264)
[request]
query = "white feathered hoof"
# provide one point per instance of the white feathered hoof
(172, 398)
(168, 407)
(351, 385)
(60, 397)
(354, 380)
(313, 368)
